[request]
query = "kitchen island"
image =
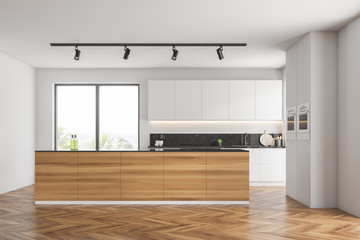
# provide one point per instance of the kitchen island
(142, 177)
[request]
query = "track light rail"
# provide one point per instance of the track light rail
(127, 50)
(148, 44)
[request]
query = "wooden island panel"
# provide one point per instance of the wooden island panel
(56, 176)
(184, 176)
(228, 176)
(142, 176)
(99, 176)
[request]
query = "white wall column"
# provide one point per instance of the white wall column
(17, 124)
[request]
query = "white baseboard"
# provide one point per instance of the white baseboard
(144, 202)
(267, 184)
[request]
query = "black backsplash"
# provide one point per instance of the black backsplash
(176, 139)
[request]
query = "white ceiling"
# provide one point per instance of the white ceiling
(268, 26)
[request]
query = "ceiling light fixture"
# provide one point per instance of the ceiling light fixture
(175, 53)
(220, 53)
(126, 53)
(77, 54)
(127, 50)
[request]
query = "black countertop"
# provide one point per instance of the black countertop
(165, 149)
(216, 147)
(233, 148)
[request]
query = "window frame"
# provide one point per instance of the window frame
(97, 110)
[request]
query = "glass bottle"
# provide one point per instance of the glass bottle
(76, 143)
(72, 143)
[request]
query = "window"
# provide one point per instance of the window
(76, 107)
(118, 118)
(104, 117)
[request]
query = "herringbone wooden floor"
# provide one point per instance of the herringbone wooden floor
(271, 215)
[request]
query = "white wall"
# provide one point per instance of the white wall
(291, 59)
(349, 115)
(17, 124)
(47, 77)
(298, 172)
(324, 121)
(312, 77)
(303, 75)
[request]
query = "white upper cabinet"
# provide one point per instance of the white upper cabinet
(188, 100)
(215, 100)
(242, 100)
(161, 100)
(269, 100)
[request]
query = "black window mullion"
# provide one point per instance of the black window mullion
(55, 120)
(97, 145)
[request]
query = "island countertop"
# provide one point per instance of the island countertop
(165, 149)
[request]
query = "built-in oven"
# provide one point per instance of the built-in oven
(303, 120)
(291, 123)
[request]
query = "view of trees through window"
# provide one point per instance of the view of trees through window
(117, 116)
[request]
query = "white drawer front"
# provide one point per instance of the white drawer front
(273, 173)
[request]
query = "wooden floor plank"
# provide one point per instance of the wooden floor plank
(270, 215)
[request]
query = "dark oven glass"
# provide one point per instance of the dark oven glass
(291, 123)
(303, 122)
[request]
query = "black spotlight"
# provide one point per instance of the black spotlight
(175, 53)
(77, 54)
(219, 52)
(126, 53)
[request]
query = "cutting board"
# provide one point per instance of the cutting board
(266, 139)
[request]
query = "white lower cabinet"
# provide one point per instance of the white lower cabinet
(273, 165)
(267, 166)
(255, 165)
